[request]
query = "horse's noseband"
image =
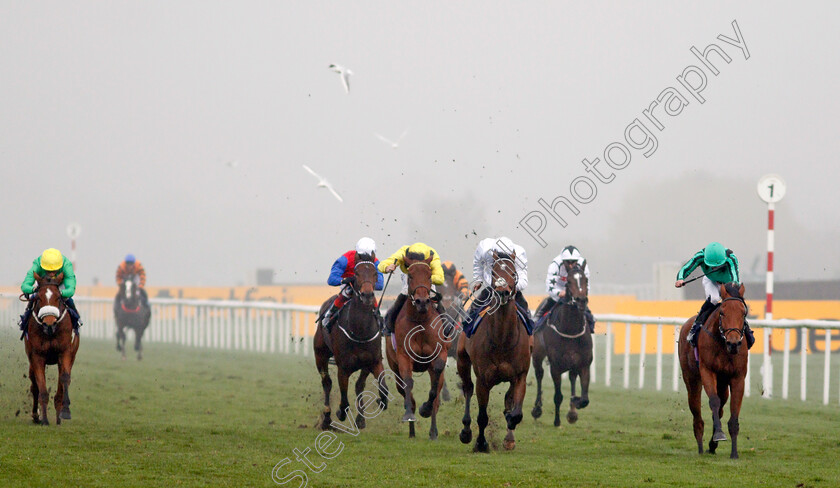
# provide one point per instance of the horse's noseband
(739, 330)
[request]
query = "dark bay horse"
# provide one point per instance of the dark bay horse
(722, 366)
(129, 312)
(49, 338)
(566, 341)
(498, 351)
(354, 341)
(418, 343)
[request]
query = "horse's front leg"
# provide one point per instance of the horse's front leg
(405, 374)
(710, 385)
(430, 406)
(537, 362)
(138, 340)
(344, 403)
(321, 361)
(737, 393)
(378, 372)
(360, 387)
(483, 395)
(39, 391)
(465, 373)
(121, 340)
(33, 378)
(556, 376)
(515, 415)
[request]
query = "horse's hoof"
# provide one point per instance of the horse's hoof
(326, 424)
(123, 357)
(557, 421)
(426, 410)
(734, 455)
(513, 420)
(719, 436)
(712, 446)
(583, 403)
(481, 446)
(46, 421)
(341, 414)
(360, 422)
(433, 436)
(139, 357)
(65, 413)
(509, 445)
(409, 417)
(571, 417)
(536, 412)
(465, 436)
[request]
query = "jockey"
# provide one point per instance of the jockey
(454, 276)
(483, 261)
(719, 265)
(398, 259)
(343, 273)
(131, 268)
(555, 283)
(51, 262)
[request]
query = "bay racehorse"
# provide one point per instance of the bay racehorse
(566, 341)
(49, 338)
(719, 366)
(498, 351)
(419, 342)
(130, 312)
(355, 342)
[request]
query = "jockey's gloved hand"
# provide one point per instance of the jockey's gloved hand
(32, 296)
(349, 279)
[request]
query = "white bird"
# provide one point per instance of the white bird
(322, 182)
(390, 142)
(345, 75)
(233, 164)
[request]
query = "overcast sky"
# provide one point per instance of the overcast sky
(124, 117)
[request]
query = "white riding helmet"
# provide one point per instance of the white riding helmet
(570, 253)
(503, 244)
(366, 245)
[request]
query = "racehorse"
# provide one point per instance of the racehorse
(419, 342)
(49, 338)
(498, 351)
(355, 342)
(719, 366)
(130, 312)
(566, 341)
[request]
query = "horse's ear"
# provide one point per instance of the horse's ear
(495, 255)
(723, 292)
(59, 278)
(741, 290)
(513, 256)
(37, 277)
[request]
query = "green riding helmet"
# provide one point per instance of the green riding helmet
(714, 255)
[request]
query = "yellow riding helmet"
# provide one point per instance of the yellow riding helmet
(52, 260)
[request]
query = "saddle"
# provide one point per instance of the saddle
(470, 325)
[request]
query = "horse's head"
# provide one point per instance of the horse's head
(577, 287)
(419, 280)
(49, 308)
(733, 312)
(128, 292)
(366, 277)
(504, 275)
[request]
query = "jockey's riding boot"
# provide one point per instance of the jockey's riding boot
(590, 320)
(391, 315)
(24, 319)
(748, 333)
(702, 315)
(544, 308)
(74, 313)
(326, 321)
(379, 321)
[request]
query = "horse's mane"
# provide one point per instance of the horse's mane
(734, 289)
(364, 257)
(415, 256)
(504, 255)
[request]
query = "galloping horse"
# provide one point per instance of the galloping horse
(566, 340)
(49, 338)
(130, 312)
(719, 367)
(354, 341)
(499, 350)
(418, 343)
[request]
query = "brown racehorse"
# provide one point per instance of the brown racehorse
(420, 343)
(50, 339)
(355, 342)
(499, 350)
(722, 366)
(566, 340)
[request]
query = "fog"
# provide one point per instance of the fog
(177, 131)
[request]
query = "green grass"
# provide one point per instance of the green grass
(190, 417)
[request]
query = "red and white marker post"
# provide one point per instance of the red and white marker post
(771, 188)
(73, 231)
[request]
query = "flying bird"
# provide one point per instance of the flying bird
(345, 75)
(390, 142)
(232, 164)
(322, 182)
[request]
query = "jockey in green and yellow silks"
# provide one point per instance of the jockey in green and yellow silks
(52, 262)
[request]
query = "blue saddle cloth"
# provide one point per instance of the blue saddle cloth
(474, 320)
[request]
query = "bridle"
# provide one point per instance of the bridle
(48, 310)
(577, 302)
(433, 295)
(739, 330)
(357, 285)
(504, 297)
(355, 288)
